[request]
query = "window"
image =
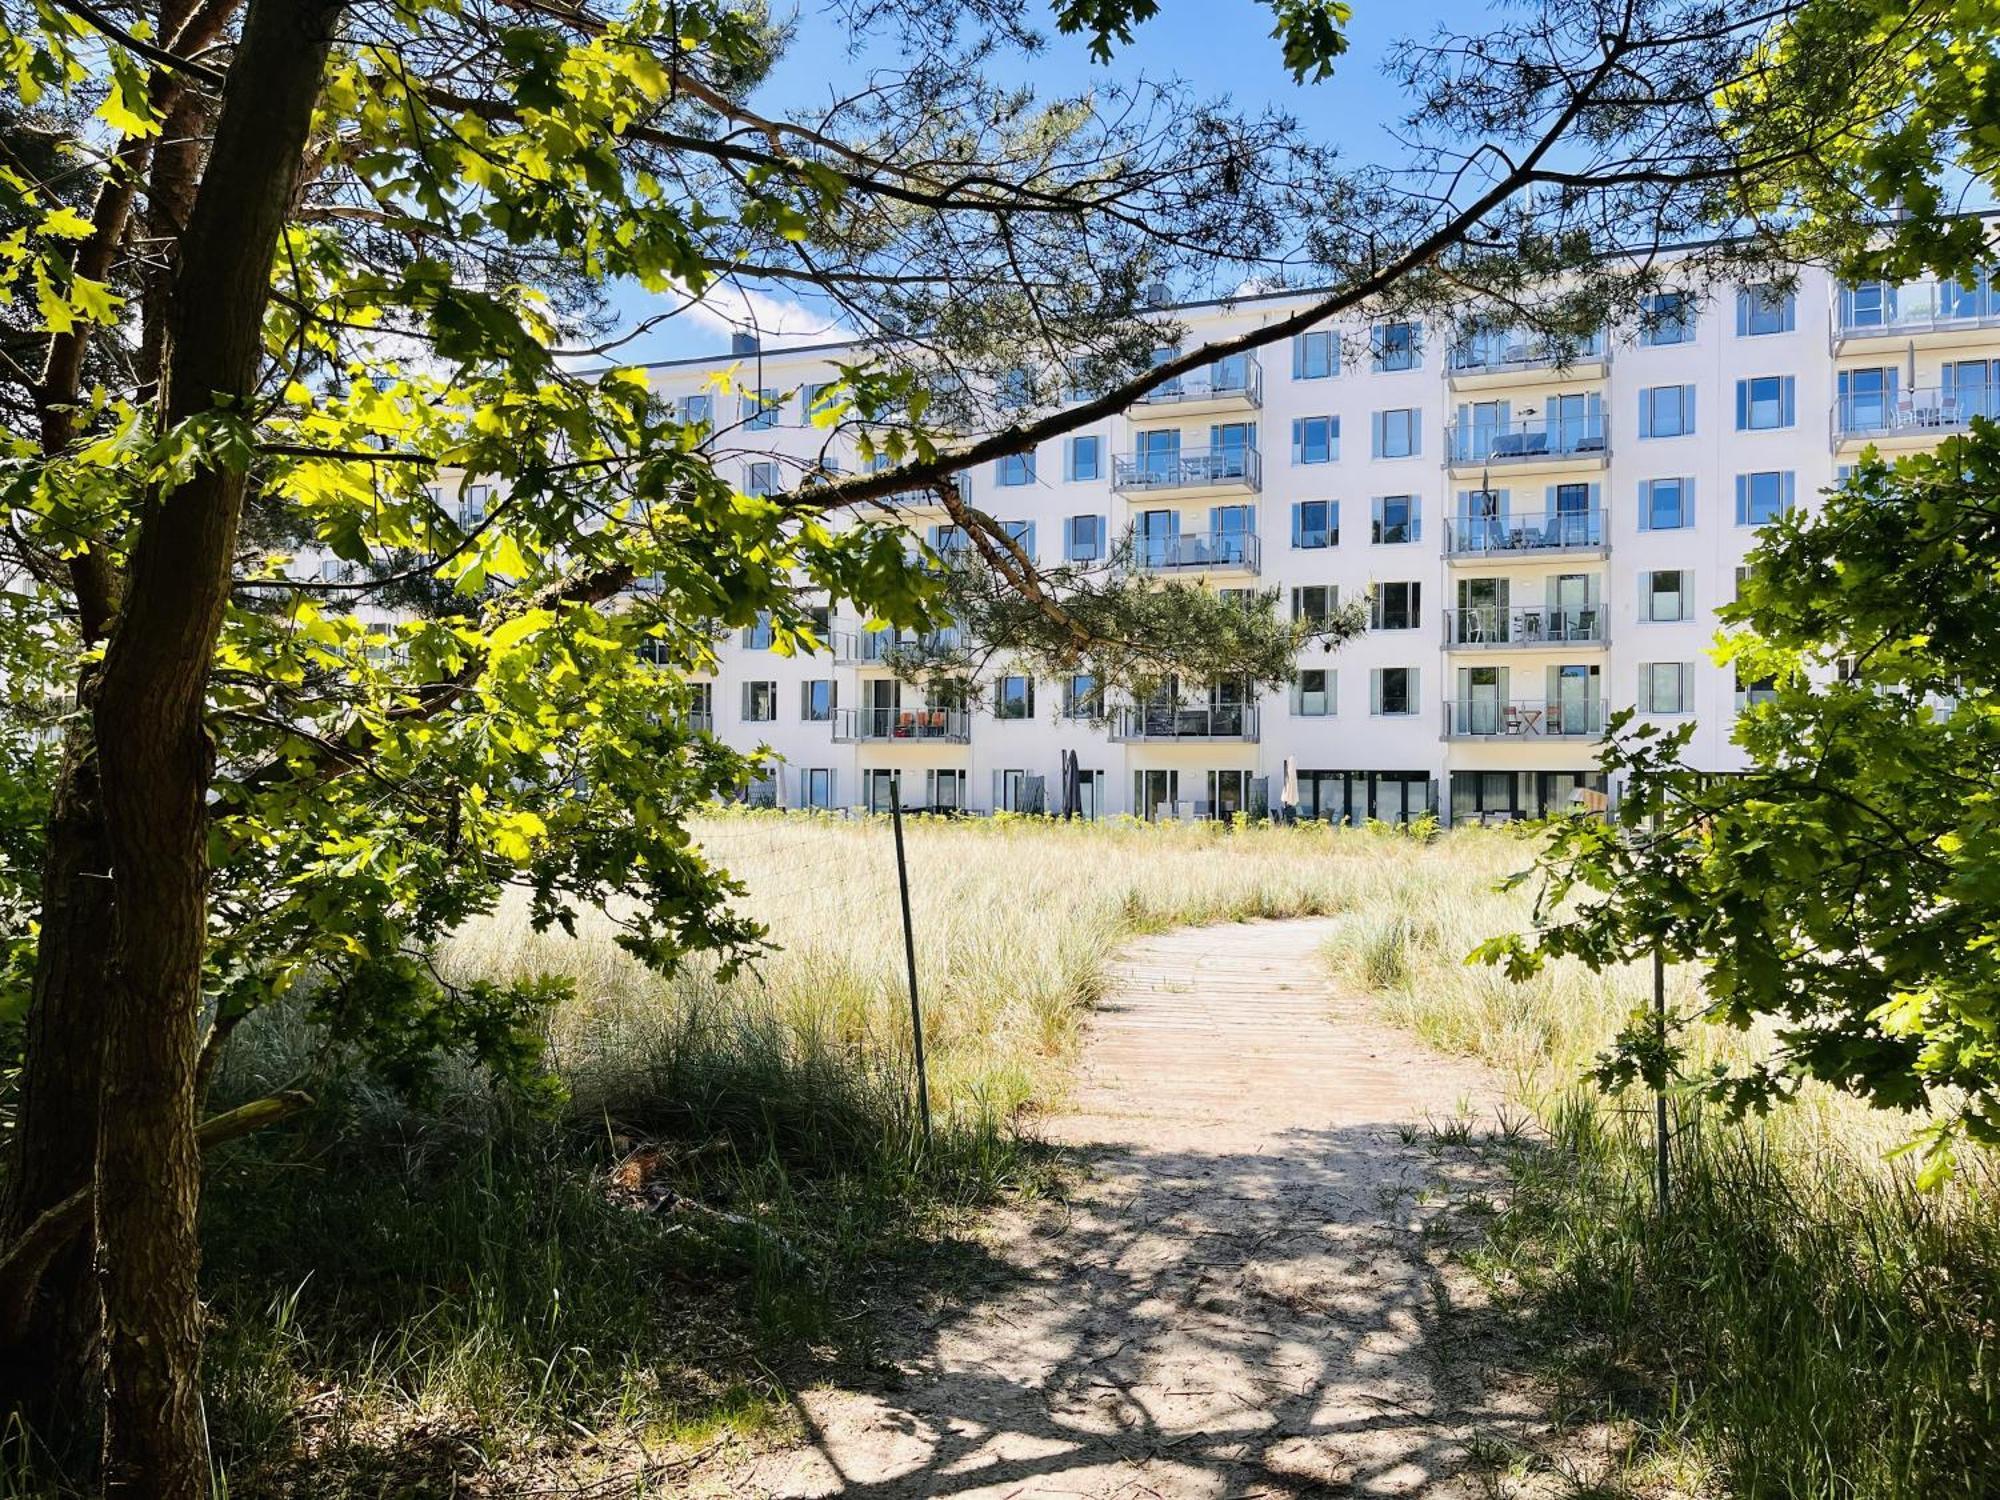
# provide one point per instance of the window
(1014, 698)
(1315, 356)
(1397, 346)
(697, 410)
(1081, 699)
(1667, 318)
(816, 787)
(1015, 388)
(1666, 411)
(1083, 457)
(813, 400)
(944, 791)
(763, 479)
(1315, 523)
(1396, 606)
(1751, 691)
(1014, 469)
(1666, 504)
(1742, 574)
(1666, 595)
(1765, 403)
(758, 637)
(1764, 309)
(880, 789)
(1315, 602)
(1021, 534)
(760, 411)
(1763, 497)
(472, 505)
(1395, 521)
(1392, 691)
(1398, 433)
(1313, 693)
(1315, 440)
(1666, 687)
(760, 702)
(1083, 538)
(816, 700)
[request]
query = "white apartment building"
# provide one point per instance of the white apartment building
(1541, 546)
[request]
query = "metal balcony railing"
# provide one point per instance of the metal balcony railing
(1524, 718)
(1188, 468)
(1199, 721)
(1235, 550)
(1501, 353)
(1528, 441)
(1525, 625)
(936, 725)
(1240, 375)
(1511, 536)
(1912, 413)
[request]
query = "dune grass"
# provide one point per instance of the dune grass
(1802, 1322)
(409, 1291)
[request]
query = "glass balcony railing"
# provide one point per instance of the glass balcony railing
(1185, 721)
(1188, 468)
(1501, 443)
(1513, 536)
(1234, 550)
(1240, 375)
(869, 647)
(1878, 308)
(937, 725)
(1503, 352)
(1878, 414)
(1525, 718)
(1525, 626)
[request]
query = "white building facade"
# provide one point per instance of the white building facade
(1539, 546)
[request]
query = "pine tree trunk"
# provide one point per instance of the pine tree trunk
(154, 761)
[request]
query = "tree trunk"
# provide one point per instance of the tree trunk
(154, 763)
(48, 1364)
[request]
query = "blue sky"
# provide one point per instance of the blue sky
(1220, 47)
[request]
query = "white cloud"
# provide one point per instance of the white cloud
(729, 308)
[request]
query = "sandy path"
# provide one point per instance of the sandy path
(1234, 1304)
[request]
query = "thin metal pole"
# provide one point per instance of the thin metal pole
(1660, 1093)
(910, 958)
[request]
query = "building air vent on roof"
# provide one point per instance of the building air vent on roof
(742, 343)
(1158, 294)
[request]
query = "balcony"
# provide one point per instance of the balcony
(902, 726)
(1528, 446)
(1930, 315)
(1190, 472)
(1198, 552)
(1184, 723)
(1513, 358)
(698, 721)
(1232, 384)
(1524, 719)
(1907, 419)
(1525, 538)
(871, 648)
(1528, 628)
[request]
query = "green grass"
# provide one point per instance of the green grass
(1803, 1323)
(402, 1294)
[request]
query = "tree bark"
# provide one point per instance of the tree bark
(155, 765)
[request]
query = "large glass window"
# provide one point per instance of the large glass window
(1666, 504)
(1396, 606)
(1315, 356)
(1666, 687)
(1667, 318)
(1397, 346)
(1083, 538)
(1765, 403)
(1666, 411)
(1315, 523)
(1394, 691)
(1395, 521)
(1398, 433)
(1667, 594)
(1313, 694)
(1015, 469)
(1315, 602)
(817, 699)
(1014, 698)
(1763, 310)
(760, 702)
(1763, 496)
(1315, 440)
(1084, 457)
(760, 411)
